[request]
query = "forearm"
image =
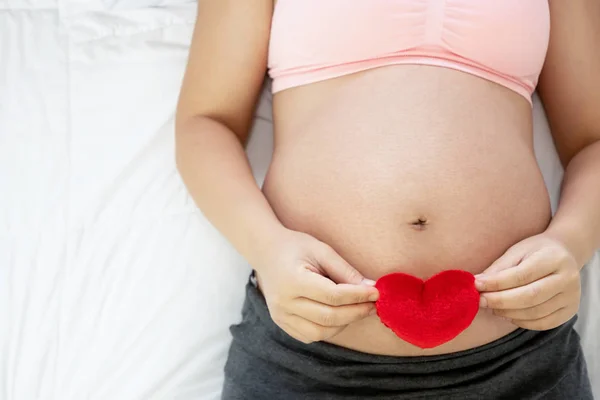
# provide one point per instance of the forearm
(577, 220)
(216, 171)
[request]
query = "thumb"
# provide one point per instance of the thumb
(338, 270)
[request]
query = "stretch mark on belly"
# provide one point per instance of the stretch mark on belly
(420, 224)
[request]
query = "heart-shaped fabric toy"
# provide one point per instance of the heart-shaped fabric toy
(427, 313)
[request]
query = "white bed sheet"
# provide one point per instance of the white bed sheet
(112, 286)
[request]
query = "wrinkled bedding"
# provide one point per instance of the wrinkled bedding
(112, 285)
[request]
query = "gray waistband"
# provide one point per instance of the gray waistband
(513, 343)
(524, 365)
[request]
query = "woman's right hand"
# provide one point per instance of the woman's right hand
(311, 291)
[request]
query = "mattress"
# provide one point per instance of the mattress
(112, 284)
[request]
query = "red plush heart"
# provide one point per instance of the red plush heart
(427, 314)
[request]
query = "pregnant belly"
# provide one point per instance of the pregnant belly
(394, 191)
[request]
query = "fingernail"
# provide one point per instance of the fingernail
(374, 297)
(479, 285)
(368, 282)
(482, 302)
(373, 311)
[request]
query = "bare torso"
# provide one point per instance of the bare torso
(411, 169)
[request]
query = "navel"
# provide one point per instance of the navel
(419, 224)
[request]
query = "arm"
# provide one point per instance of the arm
(536, 284)
(312, 293)
(570, 90)
(224, 75)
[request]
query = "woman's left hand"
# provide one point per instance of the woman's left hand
(535, 284)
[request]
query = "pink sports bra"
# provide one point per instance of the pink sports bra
(504, 41)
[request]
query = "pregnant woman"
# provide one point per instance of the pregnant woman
(403, 144)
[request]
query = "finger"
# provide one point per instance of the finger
(510, 258)
(529, 270)
(293, 333)
(536, 312)
(551, 321)
(527, 296)
(326, 315)
(321, 289)
(310, 331)
(281, 322)
(338, 269)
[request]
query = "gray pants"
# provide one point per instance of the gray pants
(266, 363)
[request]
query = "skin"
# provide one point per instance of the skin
(536, 283)
(212, 125)
(314, 290)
